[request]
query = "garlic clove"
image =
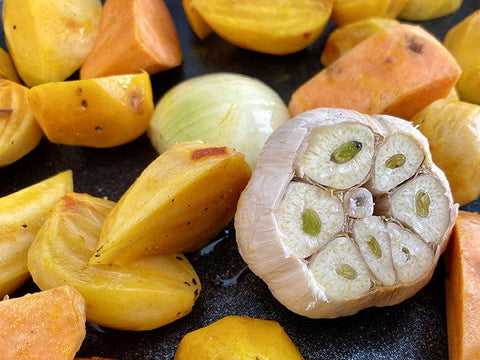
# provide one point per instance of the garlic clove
(398, 158)
(340, 270)
(308, 217)
(339, 156)
(358, 203)
(373, 241)
(412, 258)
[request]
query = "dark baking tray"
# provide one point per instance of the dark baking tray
(415, 329)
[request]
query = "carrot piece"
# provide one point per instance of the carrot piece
(47, 325)
(462, 288)
(133, 35)
(397, 71)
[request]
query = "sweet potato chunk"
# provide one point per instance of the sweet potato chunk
(462, 288)
(397, 71)
(47, 325)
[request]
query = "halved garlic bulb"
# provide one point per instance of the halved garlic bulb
(344, 211)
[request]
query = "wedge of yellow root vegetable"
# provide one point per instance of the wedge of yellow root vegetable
(453, 130)
(47, 325)
(198, 25)
(345, 37)
(463, 41)
(180, 202)
(344, 211)
(221, 109)
(142, 295)
(7, 69)
(21, 216)
(421, 10)
(49, 41)
(397, 71)
(462, 288)
(349, 11)
(19, 131)
(238, 337)
(267, 26)
(102, 112)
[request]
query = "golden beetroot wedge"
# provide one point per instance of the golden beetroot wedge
(7, 69)
(47, 325)
(21, 216)
(349, 11)
(267, 26)
(100, 112)
(134, 35)
(179, 203)
(19, 132)
(48, 41)
(198, 25)
(463, 41)
(141, 295)
(397, 71)
(238, 337)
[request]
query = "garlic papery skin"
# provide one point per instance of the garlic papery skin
(221, 109)
(375, 253)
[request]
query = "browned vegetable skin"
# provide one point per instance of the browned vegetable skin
(291, 225)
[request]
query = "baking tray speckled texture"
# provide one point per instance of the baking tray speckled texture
(415, 329)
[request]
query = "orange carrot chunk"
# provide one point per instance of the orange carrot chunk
(397, 71)
(462, 288)
(133, 35)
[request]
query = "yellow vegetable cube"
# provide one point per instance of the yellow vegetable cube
(349, 11)
(463, 41)
(101, 112)
(49, 40)
(238, 337)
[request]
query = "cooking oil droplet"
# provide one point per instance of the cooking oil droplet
(98, 328)
(233, 280)
(210, 247)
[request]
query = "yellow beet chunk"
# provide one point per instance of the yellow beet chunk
(349, 11)
(7, 69)
(19, 132)
(198, 25)
(142, 295)
(463, 41)
(268, 26)
(47, 325)
(48, 40)
(21, 216)
(179, 203)
(101, 112)
(421, 10)
(343, 38)
(240, 338)
(453, 131)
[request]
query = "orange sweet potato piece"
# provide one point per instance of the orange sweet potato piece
(47, 325)
(462, 288)
(133, 35)
(397, 71)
